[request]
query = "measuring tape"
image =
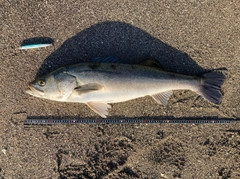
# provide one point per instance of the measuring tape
(166, 120)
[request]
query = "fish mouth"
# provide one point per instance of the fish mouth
(34, 91)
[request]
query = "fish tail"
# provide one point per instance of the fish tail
(210, 89)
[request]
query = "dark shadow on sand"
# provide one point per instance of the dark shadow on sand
(130, 44)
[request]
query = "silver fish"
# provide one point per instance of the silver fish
(97, 84)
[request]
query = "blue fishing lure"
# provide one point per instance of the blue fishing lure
(30, 46)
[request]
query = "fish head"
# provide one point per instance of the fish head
(54, 87)
(43, 87)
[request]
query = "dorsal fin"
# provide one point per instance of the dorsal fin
(110, 59)
(151, 63)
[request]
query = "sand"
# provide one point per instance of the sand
(187, 37)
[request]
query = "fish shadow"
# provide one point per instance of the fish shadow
(130, 44)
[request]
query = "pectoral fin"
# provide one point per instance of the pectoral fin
(88, 88)
(162, 98)
(100, 108)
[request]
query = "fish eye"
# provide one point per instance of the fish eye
(41, 82)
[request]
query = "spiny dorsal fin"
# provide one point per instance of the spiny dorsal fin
(151, 63)
(110, 59)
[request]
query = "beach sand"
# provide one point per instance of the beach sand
(187, 37)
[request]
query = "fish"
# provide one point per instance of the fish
(107, 80)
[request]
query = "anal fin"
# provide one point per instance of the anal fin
(162, 98)
(99, 107)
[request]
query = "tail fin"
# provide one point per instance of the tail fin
(211, 86)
